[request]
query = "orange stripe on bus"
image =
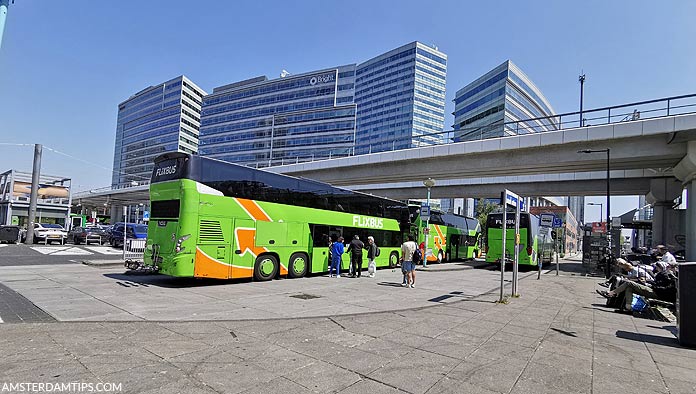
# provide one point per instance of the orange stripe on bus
(207, 267)
(253, 209)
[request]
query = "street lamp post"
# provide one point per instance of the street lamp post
(581, 79)
(607, 268)
(429, 183)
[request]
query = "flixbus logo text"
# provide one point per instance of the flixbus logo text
(364, 221)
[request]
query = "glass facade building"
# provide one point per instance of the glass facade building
(483, 108)
(400, 97)
(158, 119)
(294, 118)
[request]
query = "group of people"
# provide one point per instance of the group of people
(655, 281)
(355, 248)
(411, 254)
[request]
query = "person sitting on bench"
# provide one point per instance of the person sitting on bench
(663, 287)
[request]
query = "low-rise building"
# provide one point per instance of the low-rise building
(52, 205)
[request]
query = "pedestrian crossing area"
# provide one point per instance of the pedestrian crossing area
(76, 251)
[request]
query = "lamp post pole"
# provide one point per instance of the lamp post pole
(429, 183)
(581, 79)
(601, 208)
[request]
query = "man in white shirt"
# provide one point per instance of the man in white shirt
(667, 257)
(407, 249)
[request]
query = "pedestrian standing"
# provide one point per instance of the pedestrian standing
(407, 266)
(355, 249)
(371, 254)
(337, 249)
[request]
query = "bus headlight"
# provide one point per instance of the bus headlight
(178, 248)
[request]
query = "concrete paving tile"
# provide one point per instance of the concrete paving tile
(617, 379)
(450, 349)
(357, 360)
(528, 386)
(677, 386)
(666, 359)
(183, 385)
(673, 350)
(385, 348)
(684, 372)
(500, 377)
(232, 377)
(517, 338)
(170, 349)
(281, 360)
(279, 385)
(416, 372)
(562, 379)
(408, 339)
(615, 356)
(564, 349)
(323, 377)
(495, 350)
(369, 386)
(452, 386)
(560, 361)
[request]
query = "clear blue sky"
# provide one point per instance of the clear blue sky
(65, 66)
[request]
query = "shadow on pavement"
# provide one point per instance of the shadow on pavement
(655, 339)
(128, 280)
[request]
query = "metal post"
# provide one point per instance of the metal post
(558, 249)
(515, 264)
(502, 258)
(125, 229)
(36, 171)
(541, 258)
(607, 269)
(582, 88)
(609, 116)
(667, 107)
(427, 233)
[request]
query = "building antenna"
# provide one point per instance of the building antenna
(284, 73)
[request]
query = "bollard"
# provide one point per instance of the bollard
(686, 304)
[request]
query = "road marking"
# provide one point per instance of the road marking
(3, 245)
(61, 251)
(104, 250)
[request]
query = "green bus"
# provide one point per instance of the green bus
(451, 236)
(214, 219)
(533, 246)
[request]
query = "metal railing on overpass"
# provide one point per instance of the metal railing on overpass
(668, 106)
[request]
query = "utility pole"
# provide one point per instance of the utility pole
(36, 170)
(581, 79)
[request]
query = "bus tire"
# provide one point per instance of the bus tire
(393, 259)
(298, 265)
(265, 267)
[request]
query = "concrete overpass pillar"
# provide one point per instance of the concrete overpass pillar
(666, 221)
(685, 171)
(116, 214)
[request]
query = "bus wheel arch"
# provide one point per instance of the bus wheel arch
(298, 265)
(393, 259)
(266, 267)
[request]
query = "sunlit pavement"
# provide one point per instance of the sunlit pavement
(556, 338)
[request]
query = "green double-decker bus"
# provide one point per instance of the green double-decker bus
(213, 219)
(534, 248)
(451, 236)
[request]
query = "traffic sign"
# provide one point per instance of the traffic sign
(425, 212)
(146, 216)
(547, 219)
(557, 222)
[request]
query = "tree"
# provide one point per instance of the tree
(483, 208)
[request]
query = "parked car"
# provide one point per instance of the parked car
(48, 232)
(137, 231)
(87, 234)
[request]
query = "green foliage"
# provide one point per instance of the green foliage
(483, 208)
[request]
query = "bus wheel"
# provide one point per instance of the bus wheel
(265, 267)
(393, 259)
(298, 265)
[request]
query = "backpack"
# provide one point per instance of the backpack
(417, 256)
(376, 251)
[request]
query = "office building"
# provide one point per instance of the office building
(161, 118)
(484, 108)
(290, 119)
(401, 99)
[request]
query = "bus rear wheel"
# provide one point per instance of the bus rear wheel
(265, 267)
(298, 265)
(393, 259)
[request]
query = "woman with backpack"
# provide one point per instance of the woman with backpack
(372, 252)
